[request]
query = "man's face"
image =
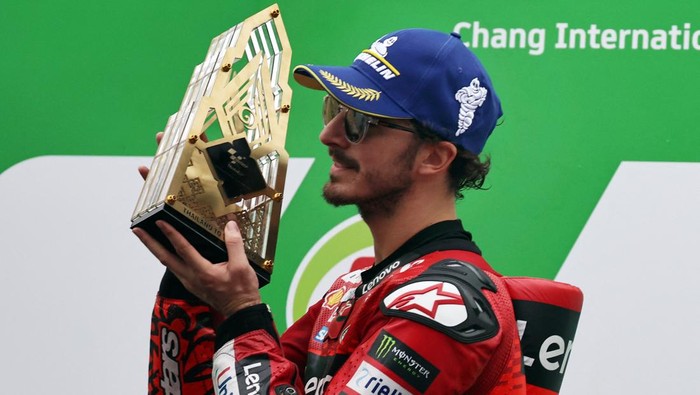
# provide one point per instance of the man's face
(374, 174)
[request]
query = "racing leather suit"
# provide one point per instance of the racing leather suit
(432, 318)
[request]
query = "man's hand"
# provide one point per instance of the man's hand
(227, 286)
(143, 170)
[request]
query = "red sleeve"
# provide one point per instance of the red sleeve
(182, 344)
(250, 357)
(185, 333)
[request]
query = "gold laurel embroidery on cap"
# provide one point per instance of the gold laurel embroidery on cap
(365, 94)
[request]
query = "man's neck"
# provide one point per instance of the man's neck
(410, 216)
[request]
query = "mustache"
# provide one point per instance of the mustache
(342, 159)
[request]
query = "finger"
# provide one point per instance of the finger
(143, 170)
(234, 244)
(183, 248)
(159, 137)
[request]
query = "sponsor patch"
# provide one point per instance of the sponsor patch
(322, 333)
(170, 343)
(436, 300)
(370, 380)
(547, 334)
(381, 47)
(332, 299)
(316, 386)
(404, 361)
(254, 375)
(470, 98)
(447, 297)
(223, 374)
(367, 286)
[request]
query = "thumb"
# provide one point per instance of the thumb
(234, 243)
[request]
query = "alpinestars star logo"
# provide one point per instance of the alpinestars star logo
(437, 300)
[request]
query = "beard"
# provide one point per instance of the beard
(386, 191)
(386, 187)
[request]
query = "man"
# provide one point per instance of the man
(404, 126)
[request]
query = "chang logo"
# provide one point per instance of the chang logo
(331, 257)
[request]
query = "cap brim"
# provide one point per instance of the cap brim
(350, 87)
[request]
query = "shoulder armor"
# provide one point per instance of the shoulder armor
(447, 297)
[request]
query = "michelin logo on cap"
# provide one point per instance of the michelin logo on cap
(381, 47)
(375, 57)
(470, 98)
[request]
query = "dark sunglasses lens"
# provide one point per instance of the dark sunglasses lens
(355, 126)
(330, 109)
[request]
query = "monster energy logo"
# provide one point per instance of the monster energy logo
(403, 360)
(385, 346)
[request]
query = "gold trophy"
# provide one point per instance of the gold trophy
(222, 154)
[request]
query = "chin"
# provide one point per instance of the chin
(333, 194)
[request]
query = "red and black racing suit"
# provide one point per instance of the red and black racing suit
(432, 318)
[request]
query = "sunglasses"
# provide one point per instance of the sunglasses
(356, 123)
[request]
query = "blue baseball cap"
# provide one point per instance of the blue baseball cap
(424, 75)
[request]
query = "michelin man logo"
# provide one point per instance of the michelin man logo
(380, 47)
(470, 98)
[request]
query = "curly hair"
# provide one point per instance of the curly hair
(467, 170)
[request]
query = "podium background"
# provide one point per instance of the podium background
(595, 180)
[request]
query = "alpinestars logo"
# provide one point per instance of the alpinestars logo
(170, 383)
(426, 298)
(470, 98)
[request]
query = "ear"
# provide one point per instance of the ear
(436, 157)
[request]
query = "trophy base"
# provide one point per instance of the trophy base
(209, 246)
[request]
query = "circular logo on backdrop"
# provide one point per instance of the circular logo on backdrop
(346, 247)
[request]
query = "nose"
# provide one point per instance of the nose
(333, 134)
